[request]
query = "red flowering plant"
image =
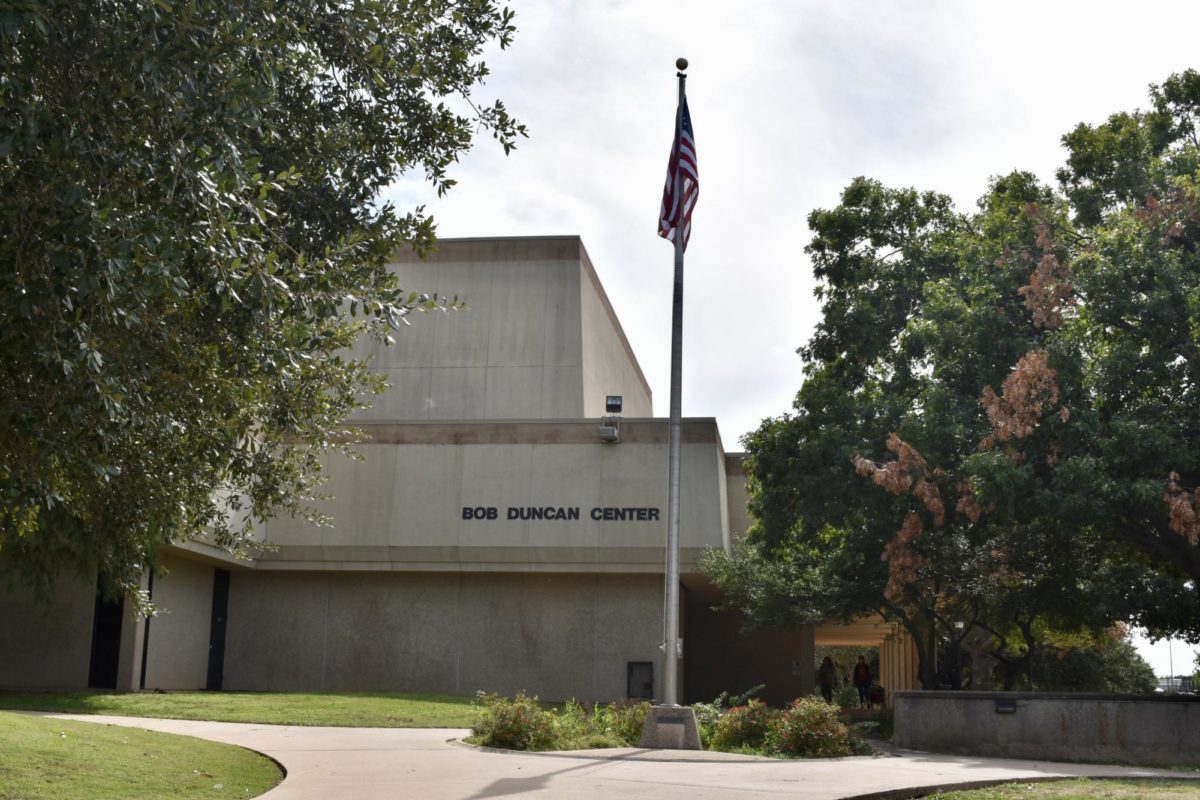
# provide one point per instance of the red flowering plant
(810, 728)
(516, 724)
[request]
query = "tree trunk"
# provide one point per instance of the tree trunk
(979, 645)
(926, 648)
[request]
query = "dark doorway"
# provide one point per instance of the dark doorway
(723, 657)
(639, 680)
(216, 632)
(106, 642)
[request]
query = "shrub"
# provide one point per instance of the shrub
(516, 724)
(625, 721)
(810, 727)
(571, 723)
(522, 724)
(846, 697)
(708, 714)
(743, 726)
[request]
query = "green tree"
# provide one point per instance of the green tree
(905, 280)
(192, 235)
(1110, 664)
(998, 424)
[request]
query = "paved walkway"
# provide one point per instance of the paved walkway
(371, 763)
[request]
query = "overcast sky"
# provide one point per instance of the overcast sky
(789, 101)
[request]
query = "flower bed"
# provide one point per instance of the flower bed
(521, 723)
(808, 728)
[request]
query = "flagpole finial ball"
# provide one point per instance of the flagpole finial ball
(681, 64)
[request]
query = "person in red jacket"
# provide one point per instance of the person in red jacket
(862, 680)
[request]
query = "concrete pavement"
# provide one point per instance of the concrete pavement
(377, 763)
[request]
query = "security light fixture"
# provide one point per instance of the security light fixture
(610, 423)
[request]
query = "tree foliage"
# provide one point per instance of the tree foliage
(999, 424)
(1109, 664)
(192, 233)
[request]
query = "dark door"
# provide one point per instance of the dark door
(639, 679)
(106, 642)
(216, 632)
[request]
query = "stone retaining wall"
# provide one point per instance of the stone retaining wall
(1128, 729)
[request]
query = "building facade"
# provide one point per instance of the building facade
(489, 538)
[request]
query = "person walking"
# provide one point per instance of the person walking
(826, 678)
(862, 682)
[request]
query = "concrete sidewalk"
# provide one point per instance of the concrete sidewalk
(378, 763)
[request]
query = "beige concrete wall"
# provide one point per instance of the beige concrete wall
(47, 647)
(401, 506)
(722, 481)
(538, 340)
(514, 353)
(738, 496)
(609, 364)
(177, 656)
(561, 636)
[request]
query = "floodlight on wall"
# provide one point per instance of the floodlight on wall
(610, 423)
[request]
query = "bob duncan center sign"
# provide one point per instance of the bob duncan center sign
(566, 513)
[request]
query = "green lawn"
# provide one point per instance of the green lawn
(55, 759)
(1081, 789)
(382, 710)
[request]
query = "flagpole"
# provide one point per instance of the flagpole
(671, 646)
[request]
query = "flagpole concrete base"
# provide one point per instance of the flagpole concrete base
(671, 728)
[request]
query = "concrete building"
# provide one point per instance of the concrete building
(488, 539)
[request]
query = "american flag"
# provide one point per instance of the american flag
(677, 208)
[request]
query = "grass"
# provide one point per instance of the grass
(52, 758)
(1081, 789)
(379, 710)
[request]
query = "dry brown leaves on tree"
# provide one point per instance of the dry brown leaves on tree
(909, 473)
(967, 505)
(1047, 293)
(1170, 214)
(895, 476)
(1050, 287)
(928, 494)
(1027, 392)
(902, 560)
(1184, 509)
